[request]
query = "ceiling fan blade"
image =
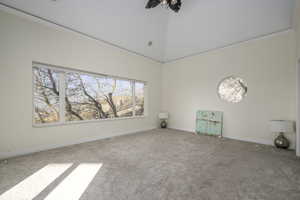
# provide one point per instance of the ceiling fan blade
(152, 3)
(175, 7)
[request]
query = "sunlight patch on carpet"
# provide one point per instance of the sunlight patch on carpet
(74, 185)
(36, 183)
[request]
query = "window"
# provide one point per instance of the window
(139, 98)
(62, 96)
(232, 89)
(46, 95)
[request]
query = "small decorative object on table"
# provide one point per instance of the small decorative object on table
(281, 127)
(163, 119)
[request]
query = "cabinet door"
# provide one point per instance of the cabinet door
(214, 128)
(209, 122)
(203, 115)
(201, 126)
(216, 116)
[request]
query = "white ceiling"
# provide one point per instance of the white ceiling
(201, 25)
(124, 23)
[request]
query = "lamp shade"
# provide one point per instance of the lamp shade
(163, 115)
(278, 126)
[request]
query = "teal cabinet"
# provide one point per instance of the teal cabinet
(209, 122)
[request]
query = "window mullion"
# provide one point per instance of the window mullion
(62, 95)
(133, 97)
(146, 96)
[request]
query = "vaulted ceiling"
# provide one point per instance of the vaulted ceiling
(200, 25)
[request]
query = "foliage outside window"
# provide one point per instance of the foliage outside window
(67, 96)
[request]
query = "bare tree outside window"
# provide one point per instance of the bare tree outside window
(83, 96)
(123, 99)
(139, 98)
(98, 97)
(46, 96)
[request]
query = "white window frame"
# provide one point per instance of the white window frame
(62, 93)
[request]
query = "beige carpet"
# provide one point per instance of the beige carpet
(154, 165)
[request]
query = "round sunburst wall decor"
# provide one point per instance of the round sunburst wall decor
(232, 89)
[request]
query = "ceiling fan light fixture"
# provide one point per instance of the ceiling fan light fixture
(164, 2)
(173, 2)
(174, 5)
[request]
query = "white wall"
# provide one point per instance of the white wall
(267, 66)
(23, 41)
(296, 26)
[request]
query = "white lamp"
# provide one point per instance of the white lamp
(163, 116)
(281, 127)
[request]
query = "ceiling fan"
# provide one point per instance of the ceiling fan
(172, 4)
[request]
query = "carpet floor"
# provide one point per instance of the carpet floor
(154, 165)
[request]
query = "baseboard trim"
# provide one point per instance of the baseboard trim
(265, 142)
(7, 155)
